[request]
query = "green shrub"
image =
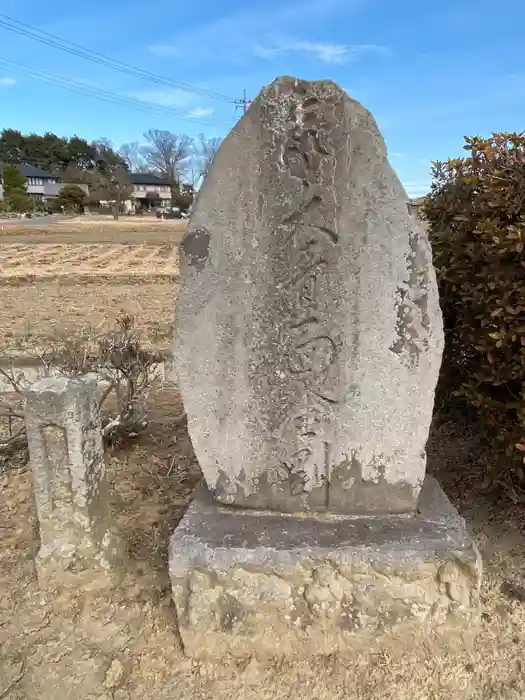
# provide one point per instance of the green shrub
(53, 205)
(71, 197)
(476, 218)
(19, 201)
(13, 180)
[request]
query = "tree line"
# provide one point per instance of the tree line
(178, 158)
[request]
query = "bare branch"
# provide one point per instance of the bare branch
(208, 148)
(118, 358)
(167, 154)
(110, 180)
(106, 393)
(15, 382)
(132, 155)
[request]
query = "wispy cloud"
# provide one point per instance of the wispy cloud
(231, 38)
(7, 82)
(325, 52)
(200, 112)
(395, 154)
(170, 97)
(183, 102)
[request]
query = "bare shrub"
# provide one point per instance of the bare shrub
(127, 373)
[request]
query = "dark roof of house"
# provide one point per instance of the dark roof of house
(32, 171)
(147, 179)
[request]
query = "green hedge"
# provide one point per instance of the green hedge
(476, 218)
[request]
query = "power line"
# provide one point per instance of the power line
(85, 89)
(94, 91)
(70, 47)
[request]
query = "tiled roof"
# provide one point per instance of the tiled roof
(33, 171)
(147, 179)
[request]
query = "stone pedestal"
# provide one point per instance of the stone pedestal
(258, 583)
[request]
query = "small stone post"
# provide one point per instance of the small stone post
(67, 459)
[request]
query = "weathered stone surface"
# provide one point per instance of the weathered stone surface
(257, 583)
(309, 334)
(67, 459)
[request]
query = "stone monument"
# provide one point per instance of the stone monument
(308, 345)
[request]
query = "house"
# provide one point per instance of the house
(415, 205)
(41, 185)
(149, 191)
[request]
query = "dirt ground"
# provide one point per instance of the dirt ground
(93, 229)
(89, 223)
(35, 313)
(126, 646)
(74, 279)
(52, 260)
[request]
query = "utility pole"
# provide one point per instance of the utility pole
(244, 103)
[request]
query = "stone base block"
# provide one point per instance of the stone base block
(258, 584)
(72, 559)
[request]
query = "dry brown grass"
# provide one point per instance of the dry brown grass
(77, 283)
(93, 225)
(35, 312)
(52, 260)
(64, 648)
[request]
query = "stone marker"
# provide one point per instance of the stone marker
(309, 329)
(63, 425)
(309, 340)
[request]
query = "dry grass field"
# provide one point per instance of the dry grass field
(52, 260)
(74, 278)
(94, 229)
(89, 224)
(126, 646)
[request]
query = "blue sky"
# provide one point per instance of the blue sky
(429, 72)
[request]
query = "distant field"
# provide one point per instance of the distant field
(95, 230)
(73, 278)
(82, 224)
(51, 260)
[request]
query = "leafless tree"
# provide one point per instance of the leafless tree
(103, 145)
(110, 181)
(111, 185)
(167, 154)
(207, 150)
(193, 173)
(132, 155)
